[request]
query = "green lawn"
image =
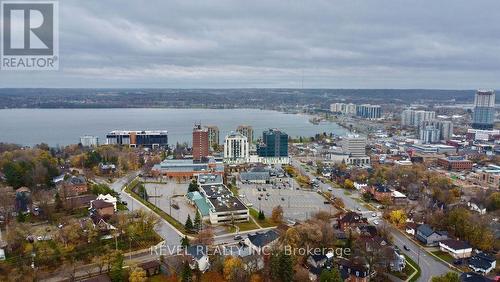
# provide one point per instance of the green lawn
(409, 270)
(263, 223)
(443, 255)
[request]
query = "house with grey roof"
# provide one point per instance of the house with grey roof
(261, 241)
(429, 236)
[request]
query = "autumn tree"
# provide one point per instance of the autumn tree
(233, 269)
(277, 214)
(137, 274)
(348, 184)
(397, 217)
(205, 237)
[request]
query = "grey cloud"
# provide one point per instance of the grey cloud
(334, 44)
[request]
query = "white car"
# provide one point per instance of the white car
(375, 222)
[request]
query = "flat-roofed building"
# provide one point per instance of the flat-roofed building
(200, 143)
(455, 163)
(224, 207)
(89, 141)
(236, 149)
(145, 138)
(247, 131)
(213, 136)
(187, 169)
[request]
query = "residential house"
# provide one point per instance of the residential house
(429, 236)
(198, 257)
(411, 228)
(477, 206)
(103, 208)
(351, 271)
(73, 186)
(151, 267)
(107, 168)
(260, 241)
(482, 263)
(251, 260)
(399, 198)
(108, 199)
(99, 223)
(381, 193)
(79, 201)
(350, 220)
(316, 263)
(456, 248)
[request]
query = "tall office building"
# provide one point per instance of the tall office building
(274, 144)
(483, 116)
(369, 111)
(246, 130)
(213, 135)
(200, 143)
(355, 147)
(415, 118)
(145, 138)
(89, 141)
(236, 148)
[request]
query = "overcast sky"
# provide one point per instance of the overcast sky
(447, 44)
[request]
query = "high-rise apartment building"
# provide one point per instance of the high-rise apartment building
(429, 134)
(213, 135)
(236, 148)
(247, 131)
(200, 143)
(274, 144)
(369, 111)
(346, 109)
(415, 118)
(483, 116)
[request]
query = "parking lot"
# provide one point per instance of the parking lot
(165, 194)
(297, 204)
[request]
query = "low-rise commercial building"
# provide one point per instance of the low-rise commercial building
(187, 169)
(455, 163)
(224, 207)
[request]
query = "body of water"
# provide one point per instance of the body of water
(65, 126)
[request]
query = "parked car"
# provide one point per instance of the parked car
(375, 222)
(237, 237)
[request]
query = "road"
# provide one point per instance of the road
(171, 236)
(164, 229)
(429, 265)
